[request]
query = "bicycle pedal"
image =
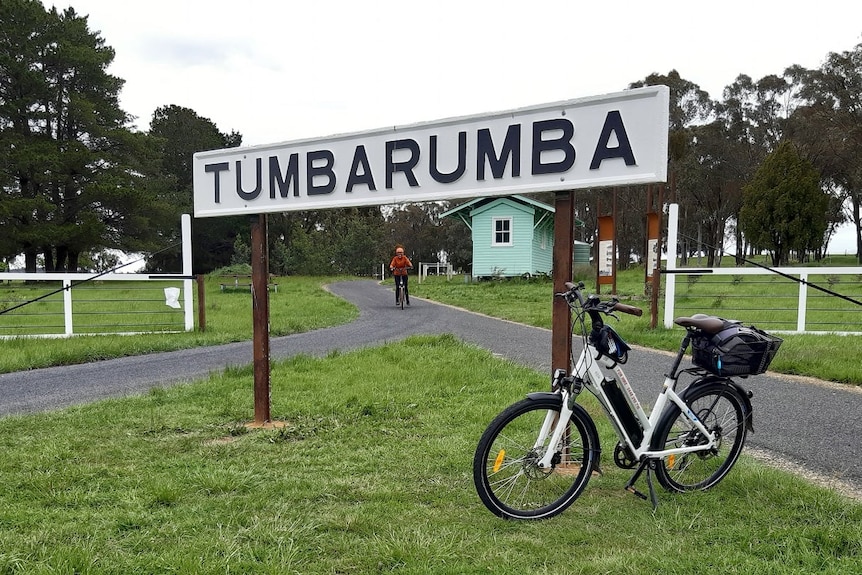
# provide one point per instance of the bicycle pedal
(634, 491)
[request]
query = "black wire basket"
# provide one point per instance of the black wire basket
(736, 350)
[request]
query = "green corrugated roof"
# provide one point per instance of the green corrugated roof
(472, 204)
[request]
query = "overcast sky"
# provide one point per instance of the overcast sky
(283, 70)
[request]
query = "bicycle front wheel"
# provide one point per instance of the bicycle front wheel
(505, 467)
(722, 412)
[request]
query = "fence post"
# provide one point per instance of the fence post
(67, 306)
(202, 303)
(803, 302)
(670, 280)
(189, 300)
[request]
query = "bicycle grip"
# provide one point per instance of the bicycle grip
(629, 309)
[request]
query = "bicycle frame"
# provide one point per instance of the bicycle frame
(591, 372)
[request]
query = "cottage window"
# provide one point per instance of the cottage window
(502, 235)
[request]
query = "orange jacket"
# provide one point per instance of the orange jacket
(399, 265)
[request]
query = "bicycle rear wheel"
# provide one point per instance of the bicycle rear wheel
(722, 411)
(505, 471)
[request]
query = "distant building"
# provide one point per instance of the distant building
(512, 235)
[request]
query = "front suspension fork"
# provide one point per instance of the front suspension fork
(555, 425)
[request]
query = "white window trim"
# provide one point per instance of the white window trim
(494, 241)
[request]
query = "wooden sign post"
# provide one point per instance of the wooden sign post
(564, 246)
(260, 318)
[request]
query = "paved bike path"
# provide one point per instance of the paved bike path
(809, 426)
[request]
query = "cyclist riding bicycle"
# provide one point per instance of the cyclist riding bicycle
(399, 266)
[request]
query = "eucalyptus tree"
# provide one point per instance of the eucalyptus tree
(751, 117)
(829, 127)
(690, 106)
(710, 176)
(179, 133)
(334, 241)
(357, 237)
(417, 226)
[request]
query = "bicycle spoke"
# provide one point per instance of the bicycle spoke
(720, 412)
(506, 471)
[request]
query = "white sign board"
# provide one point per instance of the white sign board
(606, 258)
(611, 140)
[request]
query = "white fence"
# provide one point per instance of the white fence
(69, 281)
(424, 268)
(850, 315)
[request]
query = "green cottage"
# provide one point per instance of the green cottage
(512, 235)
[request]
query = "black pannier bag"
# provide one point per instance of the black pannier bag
(735, 350)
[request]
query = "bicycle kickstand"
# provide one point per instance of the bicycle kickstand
(648, 465)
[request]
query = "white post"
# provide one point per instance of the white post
(670, 280)
(803, 302)
(67, 306)
(188, 295)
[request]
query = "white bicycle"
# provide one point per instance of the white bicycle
(536, 457)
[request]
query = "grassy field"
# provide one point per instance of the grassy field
(370, 473)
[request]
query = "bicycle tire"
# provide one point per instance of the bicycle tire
(721, 410)
(505, 474)
(401, 295)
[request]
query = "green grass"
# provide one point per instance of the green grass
(371, 473)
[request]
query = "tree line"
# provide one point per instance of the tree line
(773, 164)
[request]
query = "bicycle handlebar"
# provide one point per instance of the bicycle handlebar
(629, 309)
(593, 303)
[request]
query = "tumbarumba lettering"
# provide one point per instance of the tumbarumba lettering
(550, 150)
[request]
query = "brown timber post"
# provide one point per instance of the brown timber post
(616, 246)
(564, 245)
(202, 303)
(260, 317)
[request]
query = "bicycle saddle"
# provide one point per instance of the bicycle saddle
(702, 322)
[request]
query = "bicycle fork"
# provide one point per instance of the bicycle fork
(557, 422)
